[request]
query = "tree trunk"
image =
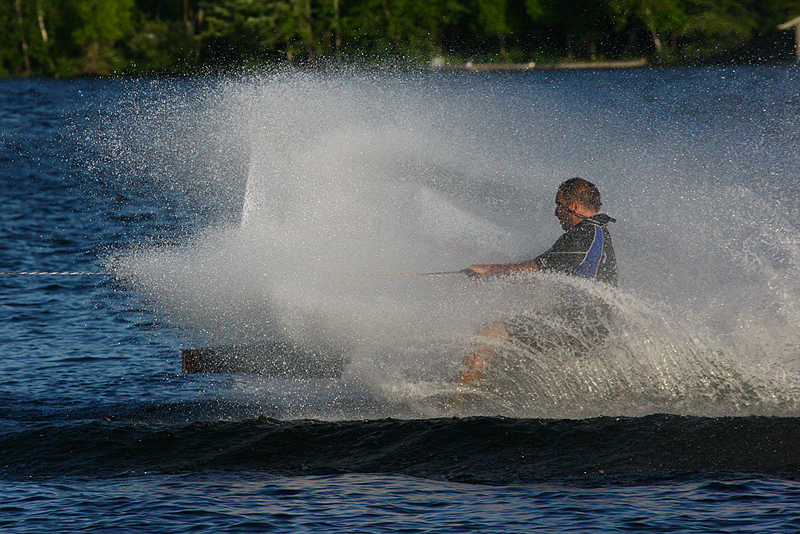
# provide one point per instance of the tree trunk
(651, 25)
(656, 41)
(26, 58)
(303, 30)
(40, 16)
(308, 30)
(337, 39)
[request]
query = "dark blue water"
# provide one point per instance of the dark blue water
(101, 431)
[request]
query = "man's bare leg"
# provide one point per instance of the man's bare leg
(477, 361)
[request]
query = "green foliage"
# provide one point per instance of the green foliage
(401, 28)
(661, 18)
(534, 9)
(101, 25)
(101, 37)
(492, 17)
(774, 12)
(158, 47)
(713, 26)
(26, 44)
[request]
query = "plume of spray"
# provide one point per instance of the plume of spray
(348, 178)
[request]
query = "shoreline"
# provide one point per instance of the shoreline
(575, 65)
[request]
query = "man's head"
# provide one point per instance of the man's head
(576, 197)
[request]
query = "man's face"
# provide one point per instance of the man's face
(566, 218)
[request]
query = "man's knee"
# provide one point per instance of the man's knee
(495, 331)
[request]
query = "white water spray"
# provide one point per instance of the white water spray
(349, 176)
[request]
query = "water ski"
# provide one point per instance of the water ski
(267, 358)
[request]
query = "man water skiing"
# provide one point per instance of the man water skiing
(584, 250)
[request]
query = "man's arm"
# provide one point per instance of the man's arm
(506, 269)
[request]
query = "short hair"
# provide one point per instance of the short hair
(585, 192)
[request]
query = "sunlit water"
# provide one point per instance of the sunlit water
(301, 207)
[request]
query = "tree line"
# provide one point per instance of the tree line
(149, 37)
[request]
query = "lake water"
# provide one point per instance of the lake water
(142, 217)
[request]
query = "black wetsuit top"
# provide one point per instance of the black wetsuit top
(584, 251)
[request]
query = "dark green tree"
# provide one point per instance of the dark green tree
(258, 31)
(714, 26)
(774, 12)
(26, 44)
(405, 28)
(98, 37)
(100, 26)
(662, 19)
(493, 20)
(580, 22)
